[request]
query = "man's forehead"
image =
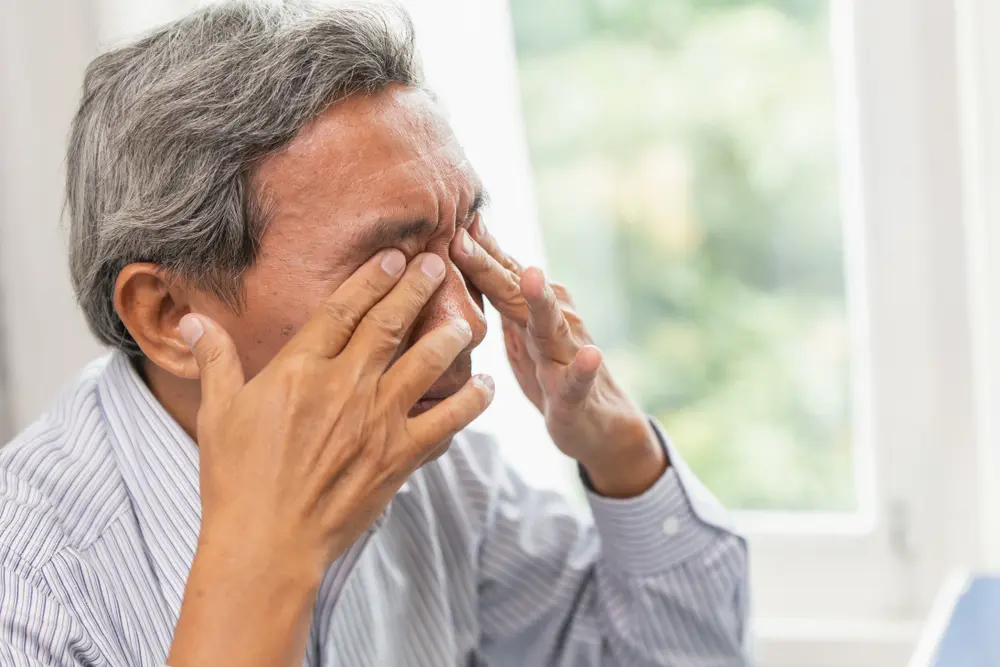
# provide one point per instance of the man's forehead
(389, 143)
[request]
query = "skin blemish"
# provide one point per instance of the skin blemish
(287, 330)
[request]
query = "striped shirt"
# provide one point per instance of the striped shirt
(468, 566)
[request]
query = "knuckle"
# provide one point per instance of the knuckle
(390, 323)
(416, 289)
(421, 293)
(480, 259)
(212, 356)
(340, 313)
(540, 334)
(372, 285)
(433, 355)
(448, 415)
(487, 241)
(511, 292)
(516, 310)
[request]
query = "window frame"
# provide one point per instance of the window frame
(979, 60)
(913, 379)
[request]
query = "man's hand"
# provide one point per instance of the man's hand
(297, 463)
(589, 417)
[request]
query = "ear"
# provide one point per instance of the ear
(151, 303)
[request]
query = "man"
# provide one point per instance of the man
(276, 230)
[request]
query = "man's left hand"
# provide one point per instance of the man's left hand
(588, 415)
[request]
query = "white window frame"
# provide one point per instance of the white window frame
(979, 59)
(907, 294)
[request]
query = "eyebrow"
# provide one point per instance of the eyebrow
(388, 232)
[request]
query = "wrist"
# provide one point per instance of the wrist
(630, 463)
(273, 561)
(278, 551)
(244, 603)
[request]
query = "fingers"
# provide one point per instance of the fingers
(333, 324)
(562, 294)
(453, 414)
(512, 338)
(420, 367)
(500, 284)
(483, 237)
(546, 322)
(218, 362)
(581, 375)
(380, 332)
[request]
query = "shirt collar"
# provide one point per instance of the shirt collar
(159, 466)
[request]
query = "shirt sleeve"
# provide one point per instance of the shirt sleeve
(655, 580)
(35, 630)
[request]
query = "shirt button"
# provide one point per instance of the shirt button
(671, 526)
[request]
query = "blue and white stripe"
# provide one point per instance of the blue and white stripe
(99, 516)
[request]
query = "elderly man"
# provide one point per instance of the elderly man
(276, 231)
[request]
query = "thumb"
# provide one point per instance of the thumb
(218, 362)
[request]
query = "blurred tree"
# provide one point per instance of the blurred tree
(686, 169)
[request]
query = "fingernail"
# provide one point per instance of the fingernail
(466, 242)
(477, 227)
(486, 382)
(433, 266)
(393, 262)
(191, 329)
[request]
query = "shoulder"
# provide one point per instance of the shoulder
(59, 485)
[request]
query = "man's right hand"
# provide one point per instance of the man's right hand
(297, 463)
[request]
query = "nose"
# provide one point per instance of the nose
(453, 300)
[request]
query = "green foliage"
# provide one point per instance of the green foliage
(686, 171)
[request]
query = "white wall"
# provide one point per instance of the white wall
(44, 47)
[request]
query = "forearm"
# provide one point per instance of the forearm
(244, 606)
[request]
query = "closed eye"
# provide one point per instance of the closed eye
(480, 201)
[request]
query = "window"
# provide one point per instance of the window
(818, 186)
(685, 159)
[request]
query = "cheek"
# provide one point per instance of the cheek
(275, 309)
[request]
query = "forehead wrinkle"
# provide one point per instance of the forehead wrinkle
(441, 167)
(431, 178)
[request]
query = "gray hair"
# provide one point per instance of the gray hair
(170, 128)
